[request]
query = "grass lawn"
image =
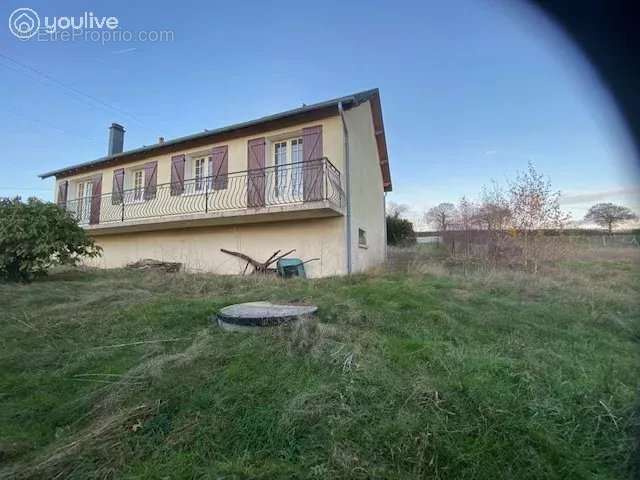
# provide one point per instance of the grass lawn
(416, 373)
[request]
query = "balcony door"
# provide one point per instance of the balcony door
(84, 192)
(287, 171)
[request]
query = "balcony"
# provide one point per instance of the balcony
(300, 190)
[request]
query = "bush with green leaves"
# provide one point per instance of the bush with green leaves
(35, 235)
(400, 231)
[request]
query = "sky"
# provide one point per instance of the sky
(471, 90)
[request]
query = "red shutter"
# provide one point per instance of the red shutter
(312, 168)
(63, 188)
(177, 174)
(255, 177)
(150, 180)
(219, 166)
(117, 190)
(96, 199)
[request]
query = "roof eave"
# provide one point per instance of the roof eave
(348, 101)
(381, 140)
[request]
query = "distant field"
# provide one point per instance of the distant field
(418, 371)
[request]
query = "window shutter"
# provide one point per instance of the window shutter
(219, 166)
(255, 176)
(312, 168)
(117, 190)
(177, 174)
(96, 199)
(150, 180)
(63, 188)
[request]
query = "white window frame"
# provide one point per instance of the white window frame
(191, 184)
(200, 166)
(288, 182)
(297, 157)
(83, 192)
(279, 160)
(138, 191)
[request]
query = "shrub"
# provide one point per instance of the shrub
(400, 231)
(36, 235)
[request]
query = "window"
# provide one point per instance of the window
(199, 172)
(362, 238)
(296, 172)
(288, 173)
(280, 160)
(84, 191)
(138, 185)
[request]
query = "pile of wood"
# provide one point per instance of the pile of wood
(151, 264)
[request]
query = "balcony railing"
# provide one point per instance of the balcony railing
(282, 185)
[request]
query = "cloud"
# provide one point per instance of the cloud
(595, 196)
(125, 50)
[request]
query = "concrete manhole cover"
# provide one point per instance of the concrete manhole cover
(254, 315)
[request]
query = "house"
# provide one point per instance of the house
(311, 179)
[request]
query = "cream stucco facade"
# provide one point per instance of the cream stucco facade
(367, 195)
(315, 229)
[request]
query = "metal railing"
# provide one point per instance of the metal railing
(289, 184)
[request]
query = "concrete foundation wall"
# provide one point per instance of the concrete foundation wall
(198, 249)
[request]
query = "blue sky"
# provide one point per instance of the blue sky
(471, 90)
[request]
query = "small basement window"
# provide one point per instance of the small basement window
(362, 238)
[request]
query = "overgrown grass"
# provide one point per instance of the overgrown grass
(417, 373)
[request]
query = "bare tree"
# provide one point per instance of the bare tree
(494, 213)
(467, 214)
(396, 209)
(467, 220)
(609, 215)
(534, 205)
(534, 208)
(441, 216)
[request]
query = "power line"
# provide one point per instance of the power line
(47, 125)
(68, 88)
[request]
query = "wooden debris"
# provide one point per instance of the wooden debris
(259, 267)
(151, 264)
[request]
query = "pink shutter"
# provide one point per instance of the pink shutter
(219, 166)
(150, 180)
(177, 174)
(255, 177)
(117, 190)
(63, 188)
(96, 199)
(312, 168)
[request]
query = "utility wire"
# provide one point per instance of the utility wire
(67, 87)
(46, 125)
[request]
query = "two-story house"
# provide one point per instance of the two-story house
(311, 179)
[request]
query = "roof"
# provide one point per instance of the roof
(317, 110)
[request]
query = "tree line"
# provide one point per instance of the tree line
(509, 224)
(528, 203)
